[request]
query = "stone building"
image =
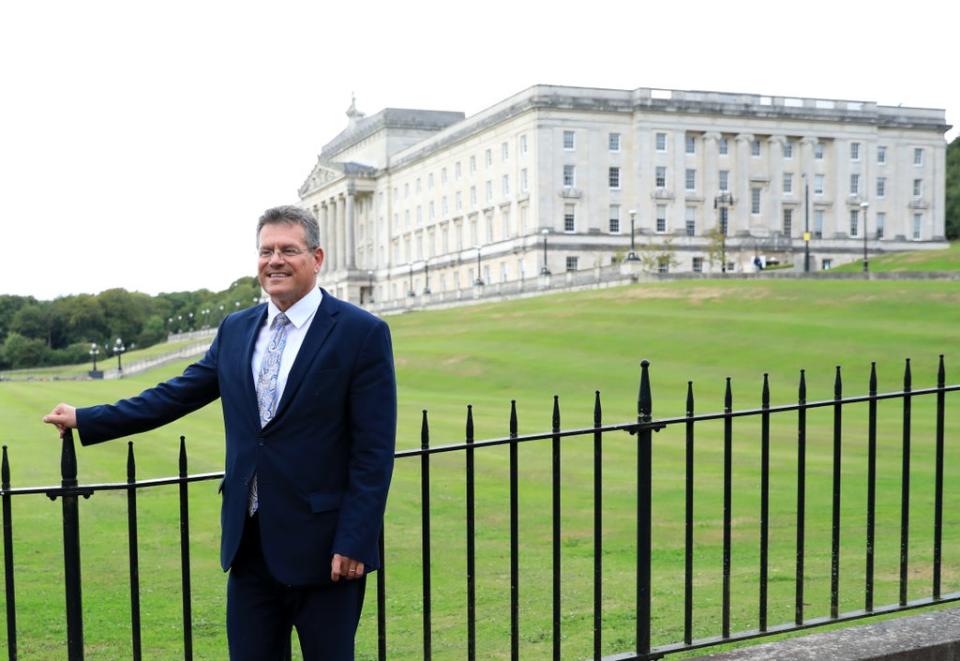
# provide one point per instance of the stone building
(559, 179)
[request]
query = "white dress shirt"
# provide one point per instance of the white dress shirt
(301, 315)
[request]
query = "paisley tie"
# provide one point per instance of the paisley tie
(267, 394)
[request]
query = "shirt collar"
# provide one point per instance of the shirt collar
(298, 313)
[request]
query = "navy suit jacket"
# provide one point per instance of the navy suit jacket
(323, 463)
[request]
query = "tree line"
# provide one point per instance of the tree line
(60, 332)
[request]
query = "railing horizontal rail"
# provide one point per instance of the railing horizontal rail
(87, 489)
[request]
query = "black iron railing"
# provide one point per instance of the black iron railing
(70, 492)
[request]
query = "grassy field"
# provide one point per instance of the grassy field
(919, 260)
(104, 362)
(569, 345)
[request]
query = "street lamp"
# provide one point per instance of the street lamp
(543, 269)
(426, 276)
(866, 263)
(806, 223)
(632, 255)
(94, 352)
(723, 201)
(410, 291)
(479, 280)
(118, 350)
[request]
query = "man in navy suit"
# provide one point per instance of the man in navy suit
(309, 407)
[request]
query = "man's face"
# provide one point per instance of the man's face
(287, 268)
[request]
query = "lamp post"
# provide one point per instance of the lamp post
(806, 223)
(370, 286)
(118, 350)
(479, 280)
(723, 202)
(426, 276)
(410, 291)
(94, 352)
(544, 270)
(632, 255)
(866, 262)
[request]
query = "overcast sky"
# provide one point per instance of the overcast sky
(140, 141)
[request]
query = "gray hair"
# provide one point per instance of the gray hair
(292, 215)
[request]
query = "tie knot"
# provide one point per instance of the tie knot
(280, 320)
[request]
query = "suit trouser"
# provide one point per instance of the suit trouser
(261, 611)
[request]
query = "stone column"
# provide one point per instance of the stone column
(710, 217)
(772, 211)
(350, 235)
(740, 220)
(341, 231)
(324, 237)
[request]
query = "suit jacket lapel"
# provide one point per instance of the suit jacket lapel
(323, 322)
(250, 387)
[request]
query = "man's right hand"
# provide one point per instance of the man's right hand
(63, 417)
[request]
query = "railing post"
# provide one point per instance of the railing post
(134, 552)
(644, 510)
(8, 559)
(71, 549)
(185, 554)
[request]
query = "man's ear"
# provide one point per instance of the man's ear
(318, 256)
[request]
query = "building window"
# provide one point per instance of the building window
(691, 179)
(787, 182)
(473, 164)
(488, 188)
(724, 180)
(430, 181)
(419, 215)
(506, 185)
(723, 146)
(818, 184)
(444, 209)
(755, 201)
(724, 212)
(917, 187)
(433, 211)
(818, 151)
(523, 180)
(406, 219)
(663, 264)
(661, 218)
(881, 154)
(854, 151)
(661, 142)
(661, 178)
(456, 170)
(473, 197)
(459, 200)
(505, 223)
(613, 141)
(881, 186)
(788, 150)
(614, 218)
(569, 176)
(406, 190)
(503, 271)
(755, 148)
(569, 218)
(568, 140)
(826, 264)
(523, 143)
(443, 176)
(572, 263)
(418, 185)
(881, 221)
(691, 144)
(854, 222)
(917, 225)
(854, 184)
(818, 224)
(504, 151)
(614, 177)
(788, 222)
(691, 220)
(488, 157)
(698, 264)
(488, 226)
(918, 156)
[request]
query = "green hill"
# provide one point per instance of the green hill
(927, 261)
(568, 344)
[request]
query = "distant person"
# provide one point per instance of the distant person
(309, 405)
(758, 263)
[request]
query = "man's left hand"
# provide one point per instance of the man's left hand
(343, 567)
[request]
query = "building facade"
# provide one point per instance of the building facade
(558, 179)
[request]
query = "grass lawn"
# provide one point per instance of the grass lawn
(103, 362)
(569, 345)
(918, 260)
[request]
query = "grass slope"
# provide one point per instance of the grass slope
(567, 345)
(927, 261)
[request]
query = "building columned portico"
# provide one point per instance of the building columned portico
(421, 201)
